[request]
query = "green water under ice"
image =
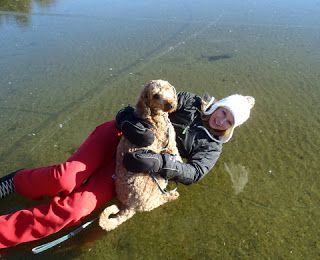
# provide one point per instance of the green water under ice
(67, 66)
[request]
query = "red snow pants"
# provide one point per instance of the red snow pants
(72, 198)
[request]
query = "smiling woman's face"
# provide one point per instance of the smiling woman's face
(221, 119)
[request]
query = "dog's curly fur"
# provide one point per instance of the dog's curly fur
(139, 192)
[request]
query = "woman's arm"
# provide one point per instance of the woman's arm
(196, 167)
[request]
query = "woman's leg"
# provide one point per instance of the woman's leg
(97, 150)
(40, 221)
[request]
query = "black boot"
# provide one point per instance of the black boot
(6, 185)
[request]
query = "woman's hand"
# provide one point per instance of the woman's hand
(136, 130)
(147, 161)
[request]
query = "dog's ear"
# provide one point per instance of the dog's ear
(143, 104)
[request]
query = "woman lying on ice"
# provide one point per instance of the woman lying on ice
(84, 182)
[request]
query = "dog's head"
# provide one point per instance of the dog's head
(157, 96)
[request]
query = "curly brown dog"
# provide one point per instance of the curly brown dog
(141, 192)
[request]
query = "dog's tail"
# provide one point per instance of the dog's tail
(108, 223)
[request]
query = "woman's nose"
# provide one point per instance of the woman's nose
(220, 121)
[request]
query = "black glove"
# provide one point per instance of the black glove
(145, 161)
(136, 130)
(150, 162)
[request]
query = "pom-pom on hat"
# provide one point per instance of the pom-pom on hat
(239, 106)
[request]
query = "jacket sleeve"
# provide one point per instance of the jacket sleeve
(197, 166)
(186, 99)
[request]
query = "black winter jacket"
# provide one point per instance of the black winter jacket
(194, 142)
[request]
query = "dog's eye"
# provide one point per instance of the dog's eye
(156, 96)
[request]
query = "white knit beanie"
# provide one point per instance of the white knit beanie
(239, 106)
